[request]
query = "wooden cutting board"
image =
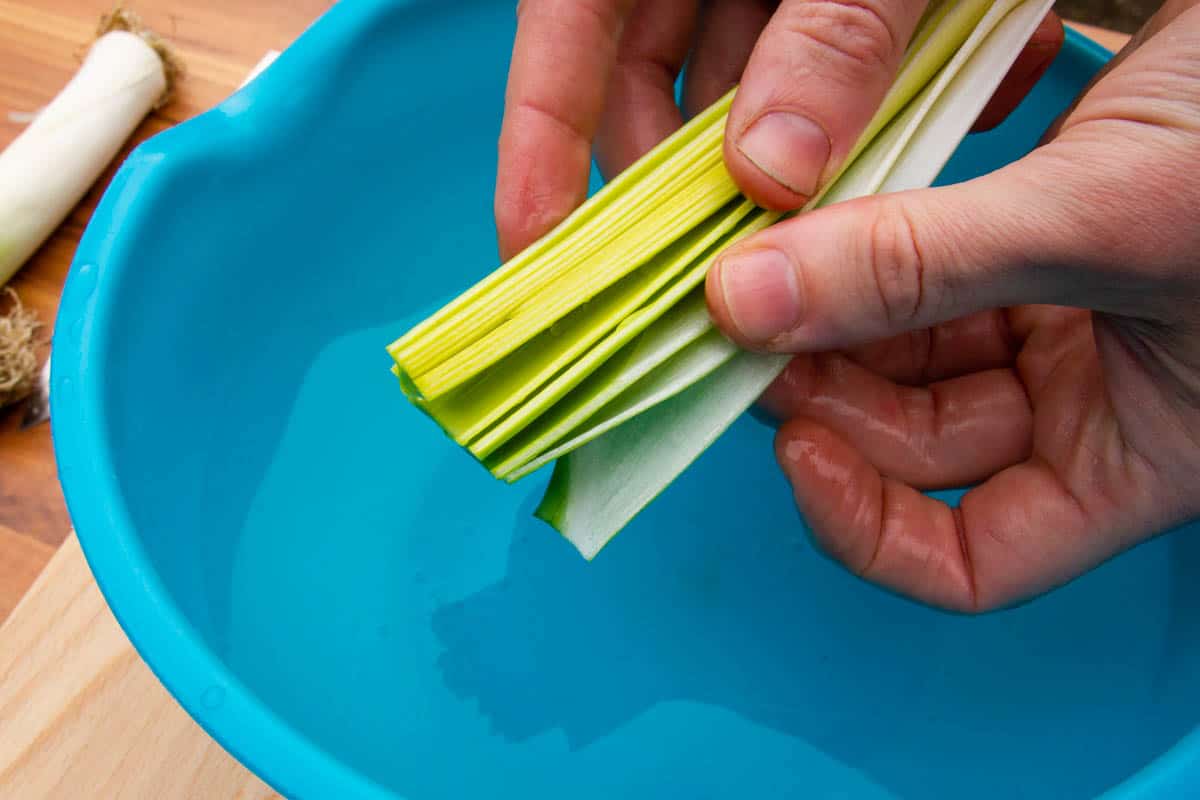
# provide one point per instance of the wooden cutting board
(81, 715)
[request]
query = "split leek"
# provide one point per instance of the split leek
(680, 183)
(684, 328)
(598, 488)
(591, 348)
(465, 413)
(697, 360)
(629, 327)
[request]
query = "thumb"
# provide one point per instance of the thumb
(813, 82)
(866, 269)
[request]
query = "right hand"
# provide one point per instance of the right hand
(1033, 332)
(598, 75)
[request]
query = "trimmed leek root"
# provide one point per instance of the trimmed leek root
(18, 362)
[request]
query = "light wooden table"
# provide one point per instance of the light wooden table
(76, 702)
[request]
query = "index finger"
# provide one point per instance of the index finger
(562, 57)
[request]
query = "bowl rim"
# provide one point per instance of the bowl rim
(225, 708)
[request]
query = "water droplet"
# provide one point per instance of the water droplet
(86, 280)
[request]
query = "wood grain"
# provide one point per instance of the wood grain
(84, 717)
(21, 559)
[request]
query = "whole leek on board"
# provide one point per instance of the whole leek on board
(47, 169)
(592, 348)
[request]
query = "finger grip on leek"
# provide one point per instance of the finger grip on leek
(584, 349)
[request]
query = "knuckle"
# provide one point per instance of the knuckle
(554, 116)
(895, 265)
(644, 69)
(850, 36)
(601, 13)
(880, 510)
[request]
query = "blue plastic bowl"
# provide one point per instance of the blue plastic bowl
(356, 610)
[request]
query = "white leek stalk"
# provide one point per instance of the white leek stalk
(18, 360)
(49, 167)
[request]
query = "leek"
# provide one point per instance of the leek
(592, 348)
(682, 335)
(18, 357)
(48, 168)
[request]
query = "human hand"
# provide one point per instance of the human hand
(1036, 330)
(599, 75)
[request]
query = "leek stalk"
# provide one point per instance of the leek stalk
(48, 168)
(592, 348)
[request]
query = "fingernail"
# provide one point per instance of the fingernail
(761, 293)
(789, 148)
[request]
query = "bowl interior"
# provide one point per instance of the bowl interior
(387, 601)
